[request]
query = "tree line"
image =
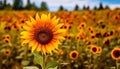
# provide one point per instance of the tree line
(18, 5)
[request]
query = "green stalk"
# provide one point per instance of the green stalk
(116, 65)
(44, 61)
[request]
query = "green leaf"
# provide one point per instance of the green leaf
(18, 57)
(38, 59)
(30, 67)
(52, 65)
(25, 62)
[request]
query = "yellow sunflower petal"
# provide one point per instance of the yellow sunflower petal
(50, 48)
(32, 19)
(25, 37)
(24, 33)
(49, 16)
(43, 49)
(26, 27)
(62, 31)
(43, 17)
(37, 17)
(34, 46)
(55, 44)
(39, 48)
(60, 37)
(29, 23)
(59, 25)
(24, 42)
(55, 21)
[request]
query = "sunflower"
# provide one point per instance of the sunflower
(99, 50)
(83, 24)
(70, 36)
(77, 37)
(79, 28)
(115, 53)
(90, 28)
(7, 36)
(73, 55)
(94, 49)
(43, 34)
(7, 52)
(7, 41)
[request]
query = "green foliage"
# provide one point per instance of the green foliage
(43, 6)
(5, 3)
(52, 64)
(86, 8)
(76, 7)
(38, 59)
(61, 8)
(18, 5)
(101, 6)
(95, 8)
(28, 6)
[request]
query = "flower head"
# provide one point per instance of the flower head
(42, 34)
(7, 52)
(94, 49)
(115, 53)
(73, 55)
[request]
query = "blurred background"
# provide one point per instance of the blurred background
(55, 5)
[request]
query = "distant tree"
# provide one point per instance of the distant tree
(8, 7)
(1, 5)
(5, 3)
(28, 6)
(44, 6)
(61, 8)
(33, 6)
(76, 7)
(18, 5)
(101, 6)
(95, 8)
(107, 7)
(87, 8)
(84, 7)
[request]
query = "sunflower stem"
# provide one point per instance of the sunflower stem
(116, 65)
(44, 61)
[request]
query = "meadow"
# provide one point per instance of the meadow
(92, 39)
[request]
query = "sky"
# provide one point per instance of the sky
(53, 5)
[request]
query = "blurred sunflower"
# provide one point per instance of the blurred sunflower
(99, 50)
(73, 55)
(43, 34)
(7, 41)
(115, 53)
(94, 49)
(7, 52)
(83, 25)
(77, 37)
(7, 36)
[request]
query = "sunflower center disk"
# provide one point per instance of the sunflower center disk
(74, 55)
(116, 54)
(44, 36)
(94, 49)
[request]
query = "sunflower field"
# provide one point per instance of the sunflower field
(84, 39)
